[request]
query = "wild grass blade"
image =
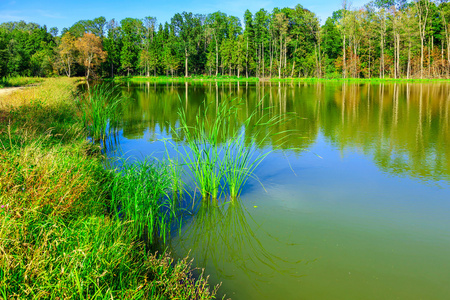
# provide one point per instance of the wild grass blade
(140, 194)
(101, 110)
(220, 156)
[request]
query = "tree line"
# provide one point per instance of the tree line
(383, 39)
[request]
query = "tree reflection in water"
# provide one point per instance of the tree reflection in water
(224, 234)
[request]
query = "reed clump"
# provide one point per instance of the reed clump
(219, 155)
(101, 110)
(141, 193)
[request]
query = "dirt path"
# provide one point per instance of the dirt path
(7, 91)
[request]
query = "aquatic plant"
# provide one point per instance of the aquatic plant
(218, 155)
(101, 110)
(140, 193)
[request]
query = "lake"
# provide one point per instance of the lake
(353, 204)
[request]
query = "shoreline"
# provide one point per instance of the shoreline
(57, 237)
(165, 79)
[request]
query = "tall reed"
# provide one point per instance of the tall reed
(101, 110)
(140, 193)
(220, 156)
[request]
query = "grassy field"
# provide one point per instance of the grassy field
(60, 234)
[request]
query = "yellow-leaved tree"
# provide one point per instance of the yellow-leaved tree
(91, 53)
(67, 53)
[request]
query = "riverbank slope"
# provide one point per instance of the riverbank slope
(57, 239)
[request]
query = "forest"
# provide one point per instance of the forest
(382, 39)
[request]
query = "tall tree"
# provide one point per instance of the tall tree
(131, 36)
(91, 52)
(423, 12)
(113, 46)
(187, 27)
(261, 29)
(67, 53)
(249, 36)
(216, 25)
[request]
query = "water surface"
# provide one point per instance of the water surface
(356, 206)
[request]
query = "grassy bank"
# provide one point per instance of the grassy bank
(359, 80)
(195, 79)
(198, 78)
(18, 81)
(61, 235)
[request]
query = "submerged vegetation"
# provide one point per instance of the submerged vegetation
(61, 235)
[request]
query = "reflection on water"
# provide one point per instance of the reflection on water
(223, 234)
(357, 224)
(403, 127)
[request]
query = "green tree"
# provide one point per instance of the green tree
(332, 44)
(249, 37)
(216, 25)
(3, 53)
(131, 34)
(187, 28)
(261, 30)
(113, 45)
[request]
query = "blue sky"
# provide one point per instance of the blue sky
(64, 13)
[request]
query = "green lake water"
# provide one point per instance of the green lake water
(357, 206)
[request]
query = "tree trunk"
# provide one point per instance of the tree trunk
(246, 61)
(382, 57)
(281, 56)
(408, 72)
(263, 71)
(217, 57)
(186, 63)
(285, 57)
(398, 57)
(344, 66)
(271, 57)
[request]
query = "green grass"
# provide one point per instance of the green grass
(101, 110)
(193, 79)
(59, 236)
(219, 156)
(11, 81)
(141, 193)
(225, 78)
(358, 80)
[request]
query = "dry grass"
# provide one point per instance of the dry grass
(51, 91)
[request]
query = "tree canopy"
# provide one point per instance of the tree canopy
(384, 38)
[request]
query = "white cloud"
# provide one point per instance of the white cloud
(48, 14)
(12, 15)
